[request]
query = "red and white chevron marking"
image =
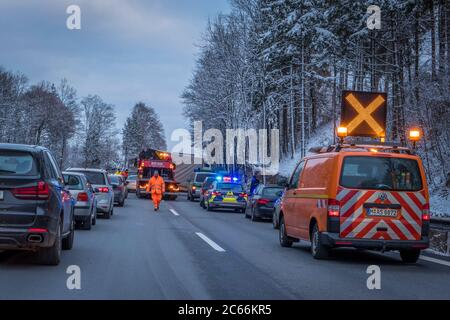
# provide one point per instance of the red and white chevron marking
(357, 225)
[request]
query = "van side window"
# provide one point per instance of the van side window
(293, 183)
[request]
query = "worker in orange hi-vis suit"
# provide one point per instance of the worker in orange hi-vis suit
(156, 188)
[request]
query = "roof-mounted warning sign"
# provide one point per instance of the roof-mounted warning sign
(364, 113)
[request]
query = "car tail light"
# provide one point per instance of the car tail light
(334, 208)
(243, 195)
(39, 192)
(37, 230)
(194, 188)
(83, 197)
(103, 189)
(426, 212)
(263, 201)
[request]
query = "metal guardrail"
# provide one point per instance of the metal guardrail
(440, 223)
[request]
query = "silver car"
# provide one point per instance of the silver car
(102, 187)
(85, 211)
(119, 188)
(131, 183)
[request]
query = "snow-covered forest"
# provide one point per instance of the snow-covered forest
(284, 64)
(142, 130)
(80, 131)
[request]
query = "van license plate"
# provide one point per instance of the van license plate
(382, 212)
(1, 195)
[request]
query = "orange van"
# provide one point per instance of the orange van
(363, 196)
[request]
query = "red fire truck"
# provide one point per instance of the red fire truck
(149, 161)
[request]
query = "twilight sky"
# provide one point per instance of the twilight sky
(126, 50)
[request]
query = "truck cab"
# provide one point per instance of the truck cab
(157, 161)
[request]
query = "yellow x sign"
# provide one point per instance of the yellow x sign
(365, 114)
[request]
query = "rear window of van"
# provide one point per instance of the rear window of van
(379, 173)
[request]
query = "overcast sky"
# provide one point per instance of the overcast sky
(126, 50)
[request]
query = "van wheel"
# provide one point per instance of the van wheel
(67, 242)
(52, 256)
(318, 250)
(285, 240)
(107, 215)
(410, 256)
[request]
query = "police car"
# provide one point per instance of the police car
(226, 193)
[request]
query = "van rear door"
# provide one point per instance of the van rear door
(381, 198)
(18, 188)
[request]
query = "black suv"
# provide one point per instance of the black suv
(36, 210)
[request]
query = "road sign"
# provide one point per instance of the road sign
(364, 113)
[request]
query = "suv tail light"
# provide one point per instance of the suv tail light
(39, 192)
(426, 212)
(334, 208)
(83, 197)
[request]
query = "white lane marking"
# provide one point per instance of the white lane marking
(438, 261)
(214, 245)
(174, 212)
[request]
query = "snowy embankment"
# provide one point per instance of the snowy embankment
(440, 206)
(323, 137)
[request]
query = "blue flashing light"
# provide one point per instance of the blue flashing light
(235, 179)
(219, 178)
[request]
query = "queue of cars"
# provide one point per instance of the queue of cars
(40, 205)
(360, 196)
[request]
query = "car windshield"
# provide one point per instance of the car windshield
(95, 178)
(73, 182)
(271, 192)
(230, 187)
(17, 163)
(200, 177)
(381, 173)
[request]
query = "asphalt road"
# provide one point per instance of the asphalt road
(189, 253)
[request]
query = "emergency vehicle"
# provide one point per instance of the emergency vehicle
(226, 193)
(370, 196)
(160, 161)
